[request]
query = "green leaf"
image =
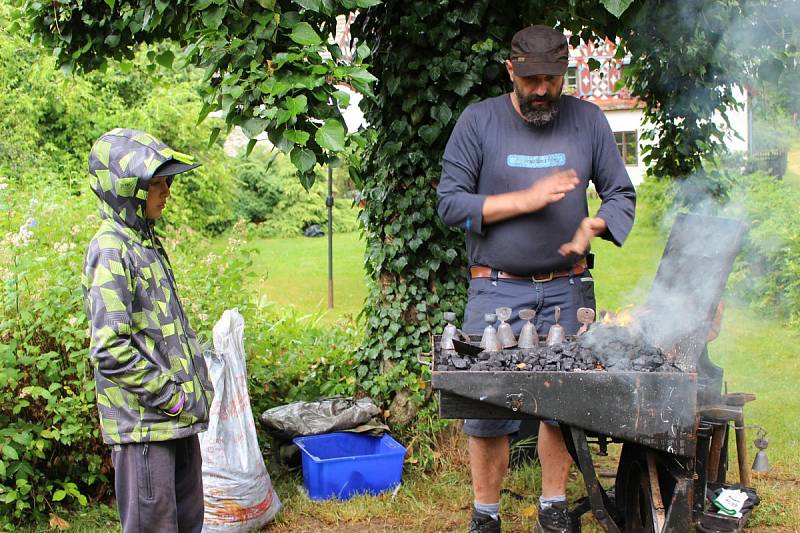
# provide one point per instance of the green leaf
(342, 98)
(2, 469)
(363, 4)
(253, 127)
(207, 108)
(303, 159)
(331, 135)
(297, 136)
(363, 51)
(296, 105)
(111, 40)
(311, 5)
(10, 452)
(213, 137)
(616, 7)
(442, 113)
(307, 180)
(250, 145)
(212, 17)
(304, 34)
(267, 4)
(165, 58)
(110, 3)
(362, 75)
(429, 134)
(593, 64)
(59, 495)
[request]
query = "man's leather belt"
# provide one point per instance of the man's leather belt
(480, 271)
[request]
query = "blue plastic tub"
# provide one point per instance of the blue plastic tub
(340, 465)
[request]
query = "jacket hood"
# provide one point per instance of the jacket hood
(121, 164)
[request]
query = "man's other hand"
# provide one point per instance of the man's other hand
(589, 228)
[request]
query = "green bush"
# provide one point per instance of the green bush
(654, 199)
(768, 273)
(50, 449)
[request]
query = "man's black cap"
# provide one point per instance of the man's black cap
(539, 50)
(172, 167)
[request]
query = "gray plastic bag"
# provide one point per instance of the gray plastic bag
(317, 417)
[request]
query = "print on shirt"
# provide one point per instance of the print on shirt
(536, 161)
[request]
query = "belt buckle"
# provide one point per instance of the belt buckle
(548, 277)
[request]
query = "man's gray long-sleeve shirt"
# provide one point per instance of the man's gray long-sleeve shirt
(492, 150)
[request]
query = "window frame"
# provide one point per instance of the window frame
(622, 139)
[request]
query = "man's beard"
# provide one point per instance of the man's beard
(538, 115)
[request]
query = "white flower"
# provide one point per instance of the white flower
(3, 182)
(22, 237)
(75, 229)
(73, 321)
(203, 317)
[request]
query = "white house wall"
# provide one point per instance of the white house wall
(629, 120)
(739, 124)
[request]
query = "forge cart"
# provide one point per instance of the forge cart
(673, 426)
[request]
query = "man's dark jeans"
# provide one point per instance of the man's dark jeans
(485, 295)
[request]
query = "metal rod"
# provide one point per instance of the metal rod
(329, 203)
(741, 451)
(717, 439)
(655, 492)
(593, 487)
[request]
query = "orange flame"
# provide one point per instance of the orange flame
(623, 318)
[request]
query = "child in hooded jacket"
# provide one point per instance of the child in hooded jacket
(153, 391)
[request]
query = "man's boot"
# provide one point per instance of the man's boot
(483, 523)
(553, 519)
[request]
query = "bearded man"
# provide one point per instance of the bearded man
(514, 178)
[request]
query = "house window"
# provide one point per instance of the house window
(571, 81)
(628, 144)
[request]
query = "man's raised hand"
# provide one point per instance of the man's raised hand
(549, 190)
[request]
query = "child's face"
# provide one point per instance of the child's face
(157, 196)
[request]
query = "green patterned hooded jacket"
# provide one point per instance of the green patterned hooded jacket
(143, 350)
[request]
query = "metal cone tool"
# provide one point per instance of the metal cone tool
(489, 341)
(556, 334)
(449, 332)
(528, 337)
(761, 464)
(504, 332)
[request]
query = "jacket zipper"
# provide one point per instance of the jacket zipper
(184, 320)
(147, 480)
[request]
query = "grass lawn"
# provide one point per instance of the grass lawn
(295, 272)
(758, 354)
